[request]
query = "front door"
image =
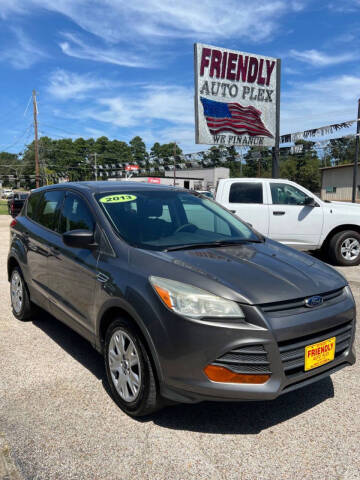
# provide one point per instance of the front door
(73, 270)
(291, 221)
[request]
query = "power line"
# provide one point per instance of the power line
(18, 139)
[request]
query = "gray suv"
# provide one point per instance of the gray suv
(184, 300)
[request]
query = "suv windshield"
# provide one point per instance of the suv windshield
(170, 219)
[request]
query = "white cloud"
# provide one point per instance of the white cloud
(173, 104)
(75, 47)
(11, 6)
(322, 102)
(23, 53)
(65, 85)
(119, 20)
(165, 114)
(345, 6)
(320, 59)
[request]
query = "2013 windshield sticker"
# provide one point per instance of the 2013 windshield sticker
(118, 198)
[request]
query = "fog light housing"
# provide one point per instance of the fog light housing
(215, 373)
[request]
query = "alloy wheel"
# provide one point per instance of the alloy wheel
(124, 365)
(17, 293)
(350, 249)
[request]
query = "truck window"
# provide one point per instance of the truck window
(243, 192)
(285, 194)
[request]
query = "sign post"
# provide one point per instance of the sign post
(276, 148)
(356, 160)
(237, 99)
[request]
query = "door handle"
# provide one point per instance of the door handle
(278, 213)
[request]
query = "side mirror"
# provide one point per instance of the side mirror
(310, 202)
(79, 239)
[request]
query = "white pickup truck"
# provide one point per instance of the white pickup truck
(286, 212)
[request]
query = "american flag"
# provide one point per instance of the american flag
(233, 117)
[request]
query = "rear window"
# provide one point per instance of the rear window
(246, 193)
(32, 205)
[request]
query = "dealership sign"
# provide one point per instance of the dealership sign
(236, 97)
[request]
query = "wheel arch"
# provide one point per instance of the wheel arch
(11, 264)
(338, 229)
(114, 310)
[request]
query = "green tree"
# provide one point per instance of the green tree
(138, 149)
(10, 164)
(303, 167)
(155, 150)
(258, 162)
(165, 150)
(339, 151)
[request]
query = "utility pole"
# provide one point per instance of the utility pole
(95, 164)
(174, 164)
(37, 171)
(356, 160)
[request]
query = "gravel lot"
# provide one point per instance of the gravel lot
(58, 421)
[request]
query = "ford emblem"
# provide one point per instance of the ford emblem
(314, 301)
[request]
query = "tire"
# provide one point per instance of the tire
(344, 248)
(136, 398)
(22, 307)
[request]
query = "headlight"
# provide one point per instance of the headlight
(349, 292)
(193, 302)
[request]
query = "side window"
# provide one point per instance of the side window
(285, 194)
(32, 204)
(48, 209)
(211, 223)
(75, 214)
(246, 193)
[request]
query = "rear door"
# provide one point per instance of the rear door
(73, 270)
(39, 228)
(291, 221)
(248, 200)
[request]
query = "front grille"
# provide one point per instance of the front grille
(292, 352)
(248, 359)
(300, 302)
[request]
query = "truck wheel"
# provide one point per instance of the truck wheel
(22, 307)
(344, 248)
(129, 370)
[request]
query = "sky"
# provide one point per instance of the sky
(122, 69)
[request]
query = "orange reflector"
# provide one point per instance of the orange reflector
(222, 374)
(164, 295)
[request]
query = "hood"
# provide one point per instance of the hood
(261, 272)
(348, 205)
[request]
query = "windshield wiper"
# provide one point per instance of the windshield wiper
(220, 243)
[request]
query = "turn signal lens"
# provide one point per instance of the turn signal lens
(164, 295)
(13, 222)
(222, 374)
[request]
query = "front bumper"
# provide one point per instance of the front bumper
(191, 345)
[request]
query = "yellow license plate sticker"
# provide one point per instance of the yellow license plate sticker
(319, 353)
